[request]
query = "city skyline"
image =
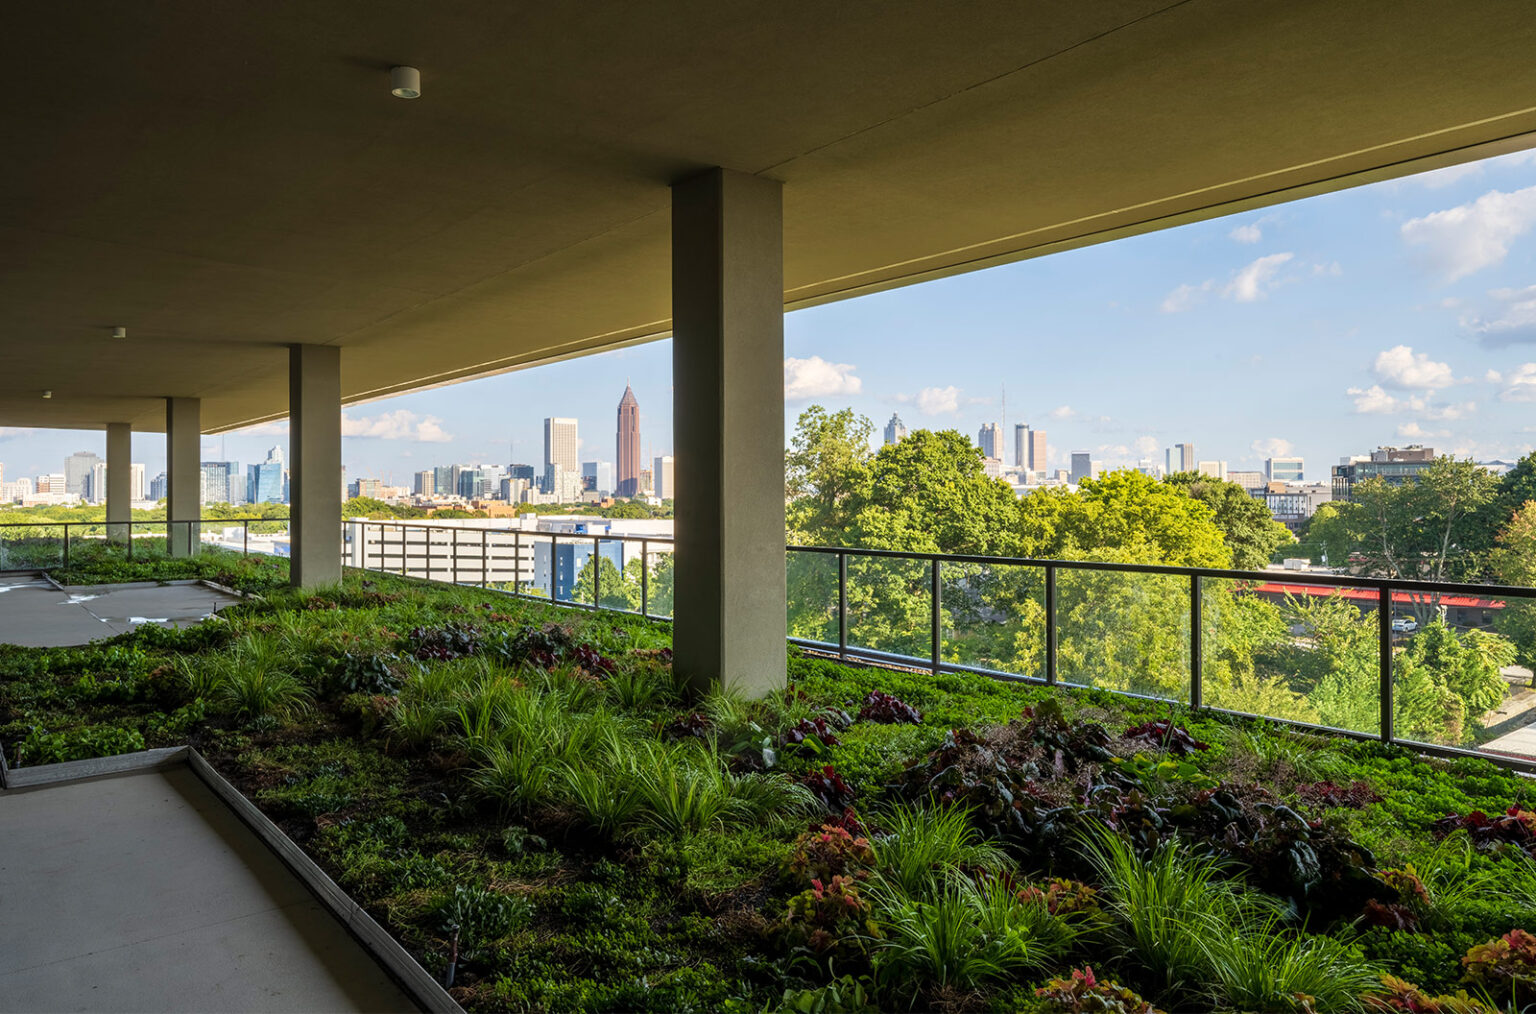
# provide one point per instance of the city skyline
(1398, 313)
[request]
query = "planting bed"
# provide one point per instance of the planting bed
(525, 797)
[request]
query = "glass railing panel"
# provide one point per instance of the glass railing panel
(1462, 671)
(660, 580)
(1123, 631)
(890, 606)
(24, 547)
(810, 596)
(618, 586)
(1294, 651)
(994, 617)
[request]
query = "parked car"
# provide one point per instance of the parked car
(1405, 625)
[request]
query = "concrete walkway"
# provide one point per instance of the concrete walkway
(35, 614)
(143, 892)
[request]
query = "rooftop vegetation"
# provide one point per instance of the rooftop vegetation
(529, 788)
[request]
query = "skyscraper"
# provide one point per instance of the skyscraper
(1021, 445)
(663, 472)
(77, 470)
(895, 432)
(1082, 466)
(628, 445)
(221, 482)
(1180, 458)
(424, 484)
(560, 449)
(597, 476)
(1037, 450)
(264, 482)
(990, 438)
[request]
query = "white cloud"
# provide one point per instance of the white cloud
(402, 424)
(1329, 270)
(1146, 445)
(1271, 447)
(1373, 400)
(1250, 233)
(1522, 384)
(1511, 321)
(1459, 241)
(1063, 412)
(1400, 366)
(1494, 377)
(1256, 279)
(1437, 178)
(1413, 430)
(938, 400)
(1185, 296)
(14, 432)
(817, 378)
(1458, 411)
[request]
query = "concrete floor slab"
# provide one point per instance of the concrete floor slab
(36, 614)
(144, 892)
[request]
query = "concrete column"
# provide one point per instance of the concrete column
(119, 481)
(314, 451)
(728, 425)
(183, 473)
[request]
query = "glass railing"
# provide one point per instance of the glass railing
(1446, 668)
(88, 544)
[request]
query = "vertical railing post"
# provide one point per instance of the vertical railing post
(1196, 643)
(485, 559)
(245, 537)
(937, 618)
(645, 577)
(842, 605)
(66, 545)
(1050, 625)
(554, 541)
(454, 578)
(517, 561)
(1384, 650)
(597, 580)
(130, 542)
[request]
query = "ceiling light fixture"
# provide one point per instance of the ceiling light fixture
(405, 82)
(47, 395)
(119, 333)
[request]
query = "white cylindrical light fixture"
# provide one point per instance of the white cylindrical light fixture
(405, 82)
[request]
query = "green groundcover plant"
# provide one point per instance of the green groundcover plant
(529, 794)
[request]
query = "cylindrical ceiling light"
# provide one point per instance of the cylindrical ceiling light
(405, 82)
(120, 333)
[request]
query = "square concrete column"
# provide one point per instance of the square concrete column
(728, 422)
(119, 481)
(314, 450)
(183, 474)
(119, 484)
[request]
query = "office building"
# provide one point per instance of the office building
(560, 445)
(597, 476)
(264, 481)
(990, 439)
(468, 484)
(371, 488)
(1283, 469)
(1036, 449)
(1146, 466)
(223, 482)
(520, 471)
(627, 445)
(1082, 467)
(445, 480)
(1253, 482)
(1180, 458)
(424, 483)
(1021, 445)
(157, 487)
(77, 471)
(662, 471)
(564, 486)
(895, 432)
(1214, 469)
(1394, 465)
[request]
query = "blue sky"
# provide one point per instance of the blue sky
(1401, 312)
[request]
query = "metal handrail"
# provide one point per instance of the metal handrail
(111, 531)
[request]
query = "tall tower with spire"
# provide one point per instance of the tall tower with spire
(627, 458)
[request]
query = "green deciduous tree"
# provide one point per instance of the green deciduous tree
(1125, 512)
(1249, 530)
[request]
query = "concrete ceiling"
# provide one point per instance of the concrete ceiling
(225, 178)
